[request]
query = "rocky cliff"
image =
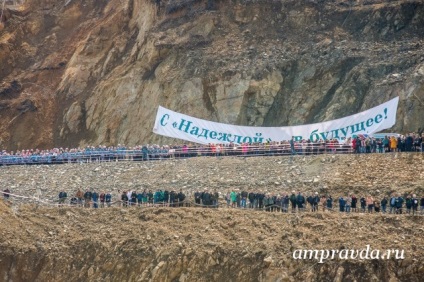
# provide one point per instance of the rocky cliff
(195, 244)
(93, 72)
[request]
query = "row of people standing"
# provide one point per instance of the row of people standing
(91, 198)
(408, 143)
(313, 202)
(148, 198)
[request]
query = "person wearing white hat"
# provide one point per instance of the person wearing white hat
(348, 204)
(315, 202)
(415, 204)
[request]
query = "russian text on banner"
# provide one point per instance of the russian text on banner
(172, 124)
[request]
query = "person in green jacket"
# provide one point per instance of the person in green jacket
(233, 196)
(408, 203)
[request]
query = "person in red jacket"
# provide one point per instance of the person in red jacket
(354, 144)
(102, 199)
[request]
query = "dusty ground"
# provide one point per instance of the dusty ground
(195, 244)
(334, 174)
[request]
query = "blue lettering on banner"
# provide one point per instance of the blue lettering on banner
(223, 137)
(194, 130)
(247, 140)
(184, 124)
(369, 122)
(335, 133)
(314, 136)
(187, 127)
(258, 138)
(324, 135)
(163, 118)
(204, 133)
(344, 130)
(357, 127)
(238, 139)
(352, 129)
(378, 118)
(213, 134)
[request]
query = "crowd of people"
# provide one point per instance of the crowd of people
(359, 144)
(258, 200)
(145, 198)
(284, 202)
(298, 202)
(403, 143)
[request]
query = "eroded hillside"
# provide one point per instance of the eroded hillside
(196, 244)
(41, 242)
(93, 72)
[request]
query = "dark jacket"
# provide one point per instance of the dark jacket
(181, 196)
(399, 202)
(293, 198)
(408, 203)
(330, 203)
(206, 197)
(173, 196)
(251, 197)
(87, 195)
(310, 200)
(384, 202)
(300, 200)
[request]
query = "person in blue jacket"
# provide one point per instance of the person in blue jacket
(330, 202)
(95, 198)
(342, 204)
(399, 204)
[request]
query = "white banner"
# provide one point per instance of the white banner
(176, 125)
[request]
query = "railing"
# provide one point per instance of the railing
(163, 154)
(274, 206)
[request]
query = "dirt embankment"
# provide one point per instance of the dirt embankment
(40, 243)
(376, 174)
(195, 244)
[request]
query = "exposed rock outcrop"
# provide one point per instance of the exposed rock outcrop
(195, 244)
(97, 70)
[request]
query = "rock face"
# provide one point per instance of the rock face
(93, 72)
(195, 244)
